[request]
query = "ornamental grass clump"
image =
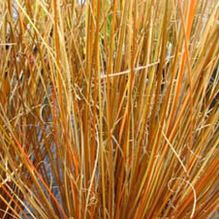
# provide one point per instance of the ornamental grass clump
(109, 109)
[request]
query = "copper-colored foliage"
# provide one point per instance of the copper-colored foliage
(109, 109)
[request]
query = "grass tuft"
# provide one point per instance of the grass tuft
(109, 109)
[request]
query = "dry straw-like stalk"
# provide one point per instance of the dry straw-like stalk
(109, 109)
